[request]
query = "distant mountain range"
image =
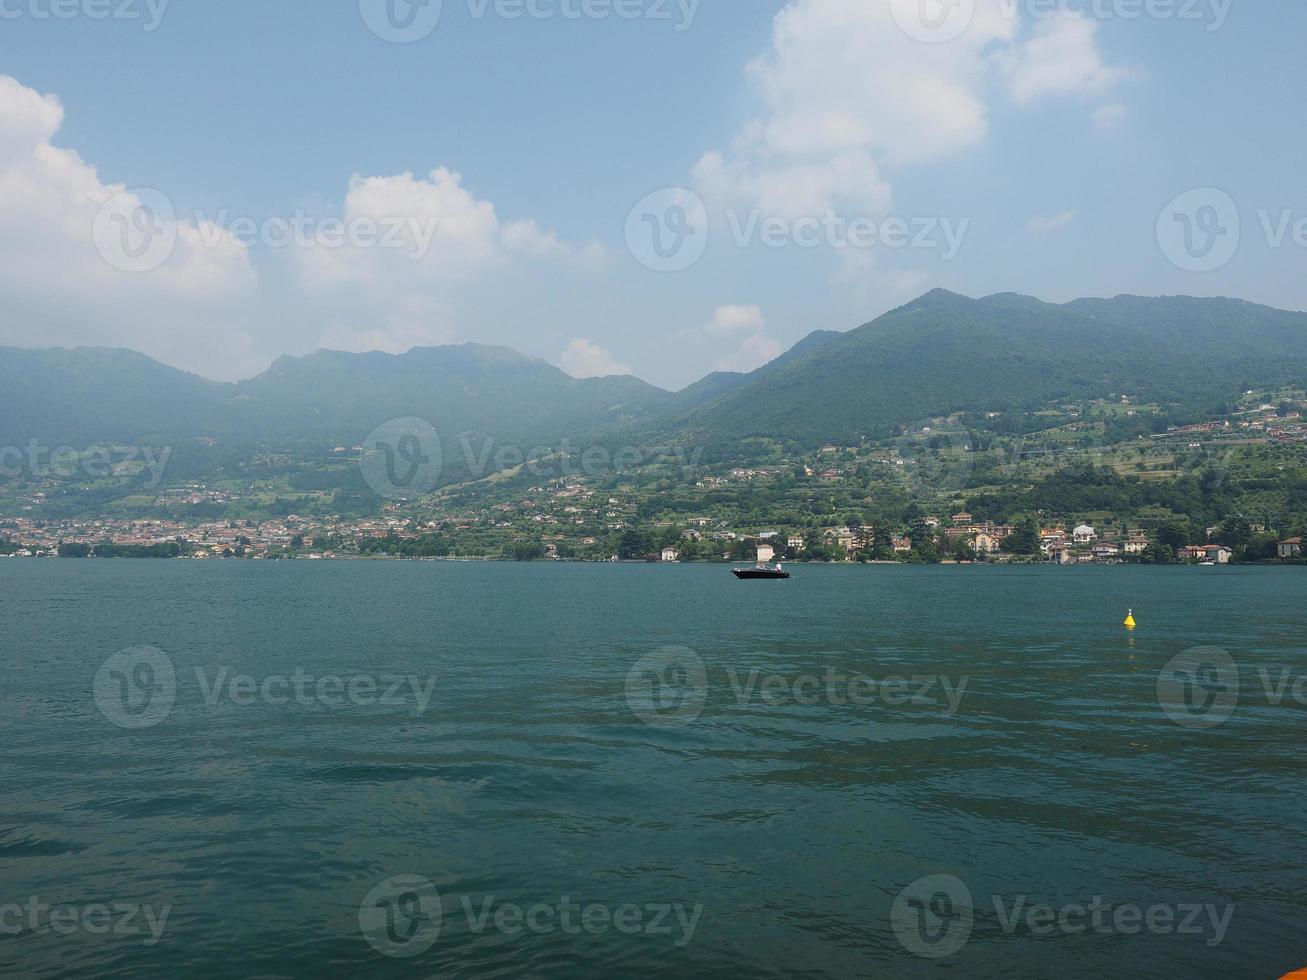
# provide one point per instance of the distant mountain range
(946, 353)
(77, 397)
(942, 353)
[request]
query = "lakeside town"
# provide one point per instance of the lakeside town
(960, 538)
(1093, 485)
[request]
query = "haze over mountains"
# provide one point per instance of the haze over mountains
(939, 354)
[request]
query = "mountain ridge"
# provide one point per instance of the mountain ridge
(938, 354)
(944, 353)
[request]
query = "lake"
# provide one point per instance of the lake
(311, 769)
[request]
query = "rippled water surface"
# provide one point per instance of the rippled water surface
(762, 825)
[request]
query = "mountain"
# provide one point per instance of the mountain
(946, 353)
(940, 354)
(79, 397)
(818, 338)
(706, 389)
(721, 382)
(470, 389)
(90, 394)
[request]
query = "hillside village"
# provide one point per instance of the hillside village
(959, 538)
(1095, 485)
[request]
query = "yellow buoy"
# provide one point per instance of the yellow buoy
(1130, 620)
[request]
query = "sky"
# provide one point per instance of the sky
(658, 187)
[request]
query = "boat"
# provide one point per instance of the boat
(761, 571)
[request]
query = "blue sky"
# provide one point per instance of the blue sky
(1039, 151)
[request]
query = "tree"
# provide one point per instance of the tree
(693, 551)
(634, 545)
(526, 550)
(1024, 540)
(882, 543)
(1158, 553)
(743, 550)
(865, 538)
(926, 548)
(1259, 548)
(1235, 532)
(1173, 536)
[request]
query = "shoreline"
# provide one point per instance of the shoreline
(687, 564)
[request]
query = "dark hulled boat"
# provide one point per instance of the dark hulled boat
(760, 572)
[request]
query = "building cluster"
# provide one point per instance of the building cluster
(216, 539)
(1084, 544)
(983, 537)
(1275, 423)
(1266, 422)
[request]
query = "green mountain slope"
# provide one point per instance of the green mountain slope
(940, 354)
(490, 391)
(78, 397)
(722, 382)
(90, 394)
(946, 353)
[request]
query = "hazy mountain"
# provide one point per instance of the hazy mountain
(81, 396)
(721, 382)
(945, 353)
(469, 389)
(939, 354)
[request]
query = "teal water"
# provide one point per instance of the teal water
(790, 822)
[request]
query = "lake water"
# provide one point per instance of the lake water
(623, 771)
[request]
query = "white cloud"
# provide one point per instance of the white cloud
(410, 293)
(754, 351)
(1040, 225)
(60, 289)
(854, 265)
(1061, 59)
(449, 236)
(69, 240)
(1109, 116)
(846, 94)
(733, 319)
(583, 359)
(527, 238)
(411, 321)
(793, 189)
(843, 88)
(903, 283)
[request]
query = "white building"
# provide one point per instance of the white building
(1084, 534)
